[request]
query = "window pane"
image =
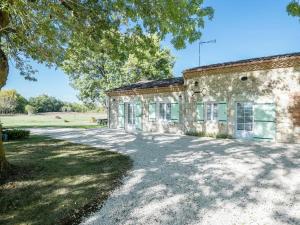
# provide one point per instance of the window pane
(208, 111)
(162, 110)
(215, 116)
(240, 119)
(248, 119)
(133, 114)
(129, 114)
(248, 126)
(240, 126)
(168, 113)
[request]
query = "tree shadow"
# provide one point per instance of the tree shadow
(64, 181)
(187, 180)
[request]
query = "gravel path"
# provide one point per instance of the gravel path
(179, 180)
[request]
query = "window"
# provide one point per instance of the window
(152, 111)
(244, 116)
(212, 111)
(243, 78)
(131, 114)
(165, 111)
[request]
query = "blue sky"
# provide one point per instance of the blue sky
(243, 29)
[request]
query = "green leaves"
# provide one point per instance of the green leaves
(293, 8)
(42, 30)
(94, 69)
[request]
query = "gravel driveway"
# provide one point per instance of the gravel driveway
(179, 180)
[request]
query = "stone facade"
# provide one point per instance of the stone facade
(278, 87)
(148, 125)
(269, 86)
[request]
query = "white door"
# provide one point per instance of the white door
(244, 120)
(130, 117)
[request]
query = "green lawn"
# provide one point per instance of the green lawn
(58, 181)
(80, 120)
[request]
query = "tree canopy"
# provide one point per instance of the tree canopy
(93, 71)
(293, 8)
(45, 30)
(42, 30)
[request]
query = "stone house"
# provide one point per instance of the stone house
(256, 99)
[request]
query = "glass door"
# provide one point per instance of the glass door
(244, 120)
(130, 117)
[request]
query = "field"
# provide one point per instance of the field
(57, 182)
(80, 120)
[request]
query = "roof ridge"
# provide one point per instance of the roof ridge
(151, 84)
(241, 61)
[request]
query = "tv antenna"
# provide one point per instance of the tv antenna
(201, 43)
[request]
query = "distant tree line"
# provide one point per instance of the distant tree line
(12, 102)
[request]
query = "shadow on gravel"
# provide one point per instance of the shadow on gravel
(188, 180)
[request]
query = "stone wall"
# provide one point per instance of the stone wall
(270, 86)
(278, 86)
(148, 125)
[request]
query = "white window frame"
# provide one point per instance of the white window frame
(214, 106)
(131, 121)
(164, 117)
(236, 117)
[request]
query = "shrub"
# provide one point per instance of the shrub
(213, 135)
(93, 120)
(224, 136)
(30, 109)
(45, 103)
(66, 121)
(102, 122)
(15, 134)
(195, 133)
(66, 108)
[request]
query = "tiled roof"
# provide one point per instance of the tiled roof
(242, 62)
(176, 81)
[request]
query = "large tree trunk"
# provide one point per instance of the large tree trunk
(4, 165)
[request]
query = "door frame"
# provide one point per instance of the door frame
(130, 127)
(249, 134)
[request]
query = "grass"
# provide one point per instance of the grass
(57, 182)
(68, 120)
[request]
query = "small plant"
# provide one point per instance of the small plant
(30, 109)
(66, 121)
(15, 134)
(102, 122)
(212, 135)
(224, 136)
(57, 117)
(195, 133)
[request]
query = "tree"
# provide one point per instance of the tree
(12, 102)
(45, 103)
(8, 101)
(30, 109)
(21, 103)
(42, 30)
(293, 8)
(94, 72)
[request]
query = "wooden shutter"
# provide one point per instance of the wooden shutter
(152, 111)
(121, 115)
(200, 111)
(222, 111)
(175, 112)
(264, 121)
(138, 115)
